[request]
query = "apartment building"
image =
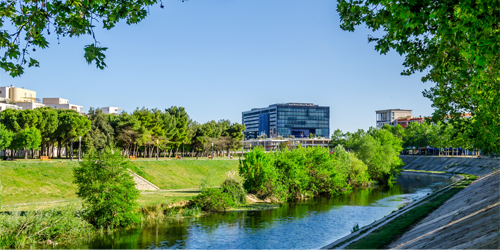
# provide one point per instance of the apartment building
(4, 106)
(17, 95)
(111, 110)
(61, 103)
(390, 116)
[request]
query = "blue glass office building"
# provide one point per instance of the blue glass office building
(298, 119)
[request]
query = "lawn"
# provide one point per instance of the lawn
(34, 184)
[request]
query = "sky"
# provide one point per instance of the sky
(220, 58)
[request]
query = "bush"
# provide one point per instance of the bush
(260, 174)
(108, 189)
(235, 190)
(212, 200)
(301, 172)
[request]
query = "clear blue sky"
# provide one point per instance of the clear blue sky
(219, 58)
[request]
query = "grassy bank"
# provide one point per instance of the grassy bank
(383, 236)
(35, 184)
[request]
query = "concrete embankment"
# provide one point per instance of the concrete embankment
(470, 220)
(467, 165)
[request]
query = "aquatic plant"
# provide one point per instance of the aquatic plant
(21, 229)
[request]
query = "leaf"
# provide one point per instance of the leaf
(94, 53)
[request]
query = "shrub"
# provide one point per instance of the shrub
(108, 190)
(260, 174)
(23, 229)
(301, 172)
(235, 190)
(211, 200)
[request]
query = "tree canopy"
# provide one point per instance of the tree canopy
(27, 24)
(455, 43)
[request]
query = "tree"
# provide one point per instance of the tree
(107, 189)
(456, 43)
(71, 126)
(338, 138)
(101, 134)
(29, 21)
(29, 139)
(181, 120)
(47, 125)
(127, 132)
(6, 137)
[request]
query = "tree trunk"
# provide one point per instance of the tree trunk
(59, 143)
(25, 154)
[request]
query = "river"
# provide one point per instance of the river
(309, 224)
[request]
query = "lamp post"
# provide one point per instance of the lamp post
(156, 149)
(212, 150)
(79, 147)
(72, 139)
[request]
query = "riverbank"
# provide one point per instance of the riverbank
(377, 234)
(469, 220)
(29, 185)
(468, 165)
(439, 215)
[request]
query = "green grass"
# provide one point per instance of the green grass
(383, 236)
(33, 184)
(182, 174)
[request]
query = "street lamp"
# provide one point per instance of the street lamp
(79, 147)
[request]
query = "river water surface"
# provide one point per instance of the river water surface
(310, 224)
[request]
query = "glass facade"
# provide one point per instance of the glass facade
(298, 119)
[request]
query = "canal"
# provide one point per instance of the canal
(309, 224)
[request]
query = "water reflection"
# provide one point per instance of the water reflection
(309, 224)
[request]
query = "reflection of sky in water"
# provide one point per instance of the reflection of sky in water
(309, 224)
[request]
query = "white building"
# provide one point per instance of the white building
(29, 105)
(390, 116)
(60, 103)
(4, 106)
(111, 110)
(15, 95)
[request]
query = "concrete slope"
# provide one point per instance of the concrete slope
(470, 219)
(468, 165)
(143, 184)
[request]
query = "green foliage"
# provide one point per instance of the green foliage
(6, 137)
(29, 138)
(260, 174)
(301, 172)
(212, 200)
(31, 22)
(455, 43)
(378, 148)
(20, 229)
(235, 190)
(108, 189)
(101, 133)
